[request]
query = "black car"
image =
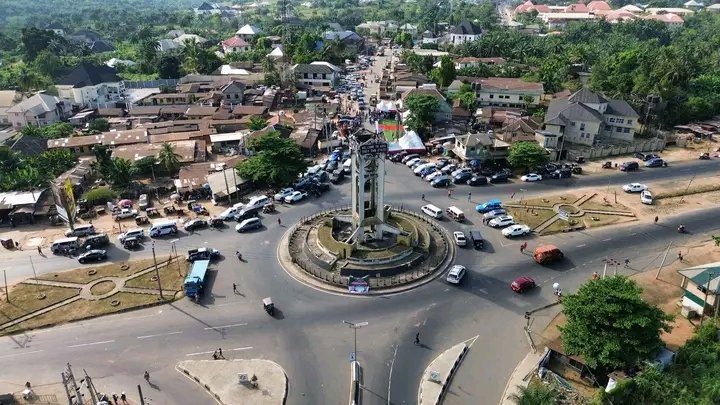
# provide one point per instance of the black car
(305, 184)
(462, 177)
(319, 188)
(442, 182)
(95, 241)
(477, 181)
(245, 214)
(331, 165)
(409, 157)
(563, 173)
(629, 166)
(499, 178)
(194, 224)
(337, 176)
(95, 255)
(398, 156)
(442, 162)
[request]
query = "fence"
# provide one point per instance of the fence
(148, 84)
(599, 151)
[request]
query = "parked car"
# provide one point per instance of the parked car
(634, 187)
(125, 213)
(646, 197)
(462, 177)
(522, 284)
(456, 274)
(494, 213)
(442, 162)
(488, 206)
(411, 156)
(143, 202)
(440, 181)
(459, 238)
(417, 163)
(657, 162)
(516, 230)
(337, 176)
(203, 253)
(646, 156)
(280, 195)
(477, 181)
(137, 233)
(629, 166)
(193, 224)
(426, 171)
(433, 175)
(295, 197)
(462, 170)
(95, 241)
(398, 156)
(499, 178)
(502, 221)
(531, 177)
(95, 255)
(248, 225)
(449, 168)
(246, 213)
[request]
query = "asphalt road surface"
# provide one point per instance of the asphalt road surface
(308, 337)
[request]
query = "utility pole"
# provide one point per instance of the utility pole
(682, 198)
(227, 187)
(68, 380)
(355, 326)
(663, 260)
(157, 272)
(7, 292)
(707, 290)
(90, 387)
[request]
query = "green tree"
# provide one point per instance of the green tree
(168, 158)
(527, 155)
(610, 326)
(168, 66)
(191, 53)
(99, 196)
(445, 73)
(276, 160)
(57, 130)
(536, 393)
(270, 72)
(99, 125)
(257, 123)
(120, 173)
(467, 97)
(403, 39)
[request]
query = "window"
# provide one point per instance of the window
(228, 96)
(492, 96)
(626, 130)
(305, 76)
(629, 122)
(608, 128)
(582, 126)
(572, 123)
(618, 129)
(620, 120)
(611, 120)
(237, 95)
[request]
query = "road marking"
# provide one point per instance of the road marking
(605, 240)
(93, 343)
(159, 334)
(392, 363)
(225, 326)
(633, 234)
(214, 351)
(584, 244)
(19, 354)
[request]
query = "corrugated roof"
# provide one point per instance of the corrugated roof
(509, 83)
(587, 96)
(620, 107)
(87, 74)
(466, 28)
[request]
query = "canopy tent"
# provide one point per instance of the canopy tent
(386, 106)
(410, 142)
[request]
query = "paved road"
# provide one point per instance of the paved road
(309, 339)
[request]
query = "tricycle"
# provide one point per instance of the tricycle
(269, 306)
(152, 212)
(169, 209)
(140, 220)
(268, 208)
(607, 165)
(215, 222)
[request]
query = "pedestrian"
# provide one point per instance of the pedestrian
(123, 397)
(215, 356)
(595, 275)
(220, 355)
(279, 222)
(656, 219)
(422, 197)
(115, 398)
(417, 338)
(449, 193)
(627, 262)
(680, 256)
(235, 291)
(39, 250)
(17, 245)
(469, 196)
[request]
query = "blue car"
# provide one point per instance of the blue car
(488, 206)
(426, 171)
(657, 162)
(440, 181)
(462, 177)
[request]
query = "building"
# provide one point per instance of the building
(57, 28)
(480, 145)
(235, 44)
(466, 31)
(693, 5)
(248, 32)
(40, 109)
(585, 116)
(8, 99)
(409, 29)
(507, 92)
(351, 40)
(444, 112)
(670, 19)
(701, 287)
(180, 40)
(380, 28)
(315, 75)
(715, 8)
(91, 85)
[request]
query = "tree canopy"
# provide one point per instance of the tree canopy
(610, 325)
(276, 160)
(422, 110)
(167, 158)
(527, 155)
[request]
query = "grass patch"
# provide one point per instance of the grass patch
(705, 188)
(523, 216)
(24, 299)
(603, 220)
(102, 287)
(379, 254)
(84, 309)
(81, 276)
(596, 203)
(550, 200)
(170, 277)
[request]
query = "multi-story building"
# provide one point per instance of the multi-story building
(507, 92)
(316, 75)
(90, 85)
(40, 110)
(466, 31)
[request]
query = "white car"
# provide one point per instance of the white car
(126, 213)
(422, 167)
(433, 175)
(456, 274)
(461, 170)
(634, 187)
(411, 162)
(531, 177)
(460, 239)
(280, 195)
(516, 230)
(646, 197)
(501, 221)
(494, 213)
(295, 197)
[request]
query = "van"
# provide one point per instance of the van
(257, 202)
(137, 233)
(162, 228)
(65, 244)
(432, 211)
(456, 214)
(347, 166)
(96, 241)
(547, 254)
(81, 230)
(248, 224)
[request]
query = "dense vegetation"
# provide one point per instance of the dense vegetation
(30, 172)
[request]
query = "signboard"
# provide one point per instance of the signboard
(352, 357)
(359, 287)
(563, 215)
(65, 201)
(374, 148)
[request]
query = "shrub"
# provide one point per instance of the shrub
(99, 196)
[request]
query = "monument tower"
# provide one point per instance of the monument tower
(367, 152)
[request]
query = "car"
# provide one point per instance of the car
(531, 177)
(646, 156)
(143, 202)
(332, 165)
(562, 173)
(433, 175)
(295, 197)
(125, 213)
(424, 172)
(459, 238)
(412, 161)
(203, 253)
(657, 162)
(411, 156)
(442, 162)
(440, 181)
(516, 230)
(95, 241)
(95, 255)
(246, 213)
(449, 168)
(461, 170)
(704, 156)
(417, 163)
(494, 213)
(337, 176)
(499, 178)
(646, 197)
(462, 177)
(477, 181)
(488, 206)
(502, 221)
(137, 233)
(248, 225)
(194, 224)
(522, 284)
(629, 166)
(280, 195)
(634, 187)
(398, 156)
(456, 274)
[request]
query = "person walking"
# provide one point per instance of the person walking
(279, 222)
(417, 338)
(422, 197)
(115, 398)
(469, 196)
(235, 291)
(680, 256)
(215, 356)
(40, 250)
(123, 397)
(627, 262)
(656, 219)
(220, 355)
(146, 375)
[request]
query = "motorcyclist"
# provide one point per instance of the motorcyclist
(681, 228)
(238, 254)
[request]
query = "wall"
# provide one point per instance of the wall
(651, 145)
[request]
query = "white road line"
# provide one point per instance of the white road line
(605, 240)
(93, 343)
(159, 334)
(225, 326)
(19, 354)
(227, 350)
(241, 348)
(584, 244)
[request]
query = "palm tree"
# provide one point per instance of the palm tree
(168, 158)
(257, 123)
(536, 393)
(120, 173)
(191, 55)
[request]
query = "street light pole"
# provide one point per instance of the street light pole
(355, 326)
(157, 272)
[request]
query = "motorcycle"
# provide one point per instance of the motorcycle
(681, 229)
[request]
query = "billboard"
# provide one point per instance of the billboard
(65, 201)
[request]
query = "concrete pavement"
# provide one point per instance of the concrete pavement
(439, 372)
(520, 376)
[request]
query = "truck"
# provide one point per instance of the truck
(195, 281)
(547, 254)
(202, 253)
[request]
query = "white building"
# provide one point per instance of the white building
(316, 75)
(40, 110)
(466, 31)
(90, 85)
(507, 92)
(248, 32)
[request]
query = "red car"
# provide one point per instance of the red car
(521, 284)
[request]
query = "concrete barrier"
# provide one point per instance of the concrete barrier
(355, 371)
(434, 395)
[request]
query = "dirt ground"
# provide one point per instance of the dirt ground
(671, 154)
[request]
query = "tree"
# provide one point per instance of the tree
(536, 393)
(445, 73)
(257, 123)
(191, 55)
(423, 107)
(270, 72)
(99, 125)
(120, 173)
(403, 39)
(527, 155)
(277, 161)
(168, 158)
(99, 196)
(57, 130)
(610, 326)
(168, 66)
(467, 97)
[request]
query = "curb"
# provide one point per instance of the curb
(448, 379)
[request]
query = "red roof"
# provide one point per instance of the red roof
(542, 8)
(596, 5)
(576, 8)
(235, 42)
(525, 7)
